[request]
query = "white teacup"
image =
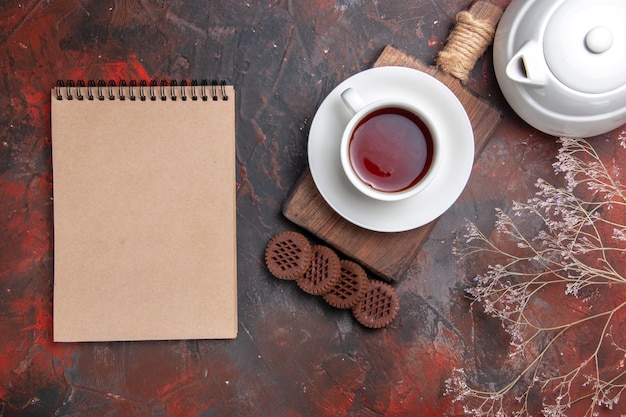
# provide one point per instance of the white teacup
(390, 148)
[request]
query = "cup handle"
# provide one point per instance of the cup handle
(352, 100)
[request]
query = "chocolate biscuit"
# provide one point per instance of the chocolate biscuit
(350, 288)
(288, 255)
(378, 307)
(324, 272)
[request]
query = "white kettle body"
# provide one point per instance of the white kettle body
(561, 64)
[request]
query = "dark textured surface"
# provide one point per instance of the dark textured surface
(294, 355)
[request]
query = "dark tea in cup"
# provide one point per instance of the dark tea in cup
(391, 149)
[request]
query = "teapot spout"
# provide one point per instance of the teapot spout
(528, 65)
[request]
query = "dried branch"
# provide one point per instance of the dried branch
(555, 279)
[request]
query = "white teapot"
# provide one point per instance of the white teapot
(561, 64)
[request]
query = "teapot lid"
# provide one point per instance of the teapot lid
(585, 45)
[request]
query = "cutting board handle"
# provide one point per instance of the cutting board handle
(473, 32)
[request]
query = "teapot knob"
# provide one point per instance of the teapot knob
(599, 39)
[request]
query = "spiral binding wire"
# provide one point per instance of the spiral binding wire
(131, 90)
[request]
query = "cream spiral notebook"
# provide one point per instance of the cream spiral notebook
(144, 211)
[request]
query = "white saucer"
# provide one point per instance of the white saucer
(396, 216)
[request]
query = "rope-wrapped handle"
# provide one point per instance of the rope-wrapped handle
(473, 32)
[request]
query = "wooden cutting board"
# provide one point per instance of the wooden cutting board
(387, 255)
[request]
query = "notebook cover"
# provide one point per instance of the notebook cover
(144, 219)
